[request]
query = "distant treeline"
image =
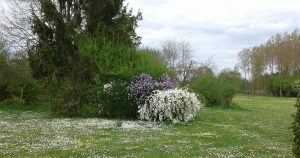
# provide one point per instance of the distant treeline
(272, 67)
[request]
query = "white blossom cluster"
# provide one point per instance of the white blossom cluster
(107, 87)
(176, 105)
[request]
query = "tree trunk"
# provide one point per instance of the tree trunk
(21, 95)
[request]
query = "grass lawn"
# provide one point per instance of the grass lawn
(254, 127)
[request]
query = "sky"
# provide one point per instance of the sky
(3, 4)
(214, 28)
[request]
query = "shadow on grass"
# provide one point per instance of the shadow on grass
(19, 108)
(232, 107)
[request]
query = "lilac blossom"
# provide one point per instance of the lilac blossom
(166, 83)
(140, 88)
(144, 85)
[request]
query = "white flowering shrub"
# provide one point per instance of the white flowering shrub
(176, 105)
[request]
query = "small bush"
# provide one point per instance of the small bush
(68, 99)
(215, 91)
(176, 105)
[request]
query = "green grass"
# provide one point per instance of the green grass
(253, 127)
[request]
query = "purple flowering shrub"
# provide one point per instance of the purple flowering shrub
(141, 87)
(144, 85)
(166, 83)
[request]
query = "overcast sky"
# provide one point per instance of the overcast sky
(218, 28)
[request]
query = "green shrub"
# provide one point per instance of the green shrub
(26, 91)
(16, 80)
(114, 103)
(89, 110)
(296, 123)
(68, 99)
(31, 92)
(215, 90)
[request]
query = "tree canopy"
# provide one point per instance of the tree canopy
(59, 23)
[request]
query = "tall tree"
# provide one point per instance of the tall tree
(59, 23)
(244, 65)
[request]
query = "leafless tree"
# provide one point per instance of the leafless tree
(210, 64)
(15, 25)
(186, 63)
(170, 53)
(177, 55)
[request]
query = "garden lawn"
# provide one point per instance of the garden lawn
(253, 127)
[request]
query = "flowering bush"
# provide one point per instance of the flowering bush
(140, 88)
(120, 99)
(143, 86)
(166, 83)
(176, 105)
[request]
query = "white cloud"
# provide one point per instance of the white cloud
(3, 4)
(218, 28)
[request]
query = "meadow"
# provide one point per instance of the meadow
(252, 127)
